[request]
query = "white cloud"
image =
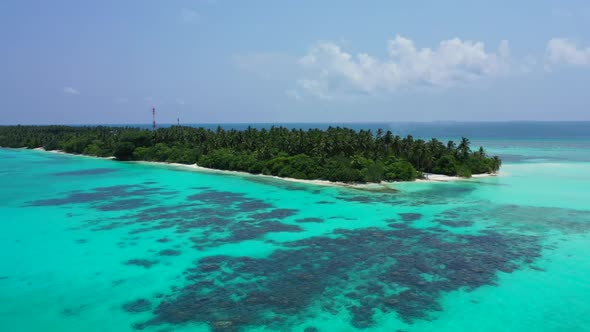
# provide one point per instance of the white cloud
(121, 100)
(330, 70)
(189, 16)
(565, 51)
(71, 91)
(180, 101)
(318, 88)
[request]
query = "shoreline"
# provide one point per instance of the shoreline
(70, 154)
(431, 177)
(383, 185)
(366, 186)
(201, 169)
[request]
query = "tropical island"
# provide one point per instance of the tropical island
(335, 154)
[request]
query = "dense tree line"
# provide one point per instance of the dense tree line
(335, 154)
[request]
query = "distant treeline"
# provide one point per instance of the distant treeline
(335, 154)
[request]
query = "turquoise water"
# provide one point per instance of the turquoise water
(93, 245)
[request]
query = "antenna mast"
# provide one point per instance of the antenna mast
(154, 118)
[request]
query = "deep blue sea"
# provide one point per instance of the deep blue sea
(426, 130)
(90, 244)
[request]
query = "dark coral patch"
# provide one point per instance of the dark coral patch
(450, 214)
(117, 282)
(213, 213)
(398, 225)
(455, 223)
(169, 252)
(140, 305)
(275, 226)
(410, 269)
(209, 267)
(257, 230)
(125, 204)
(73, 311)
(253, 205)
(275, 214)
(141, 262)
(98, 195)
(310, 220)
(201, 188)
(342, 218)
(410, 216)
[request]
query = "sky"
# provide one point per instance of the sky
(270, 61)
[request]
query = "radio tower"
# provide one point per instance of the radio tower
(154, 118)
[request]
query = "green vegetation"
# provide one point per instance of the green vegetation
(335, 154)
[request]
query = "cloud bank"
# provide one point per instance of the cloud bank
(565, 51)
(330, 70)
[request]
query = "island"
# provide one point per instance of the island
(335, 154)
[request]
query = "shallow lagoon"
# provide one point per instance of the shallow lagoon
(90, 244)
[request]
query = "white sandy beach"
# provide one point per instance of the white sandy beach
(197, 168)
(366, 186)
(73, 154)
(429, 177)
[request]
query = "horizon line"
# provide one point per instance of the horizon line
(301, 122)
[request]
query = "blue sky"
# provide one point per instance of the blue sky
(211, 61)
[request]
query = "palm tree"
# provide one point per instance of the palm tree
(496, 163)
(464, 148)
(451, 146)
(481, 152)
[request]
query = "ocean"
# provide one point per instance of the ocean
(90, 244)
